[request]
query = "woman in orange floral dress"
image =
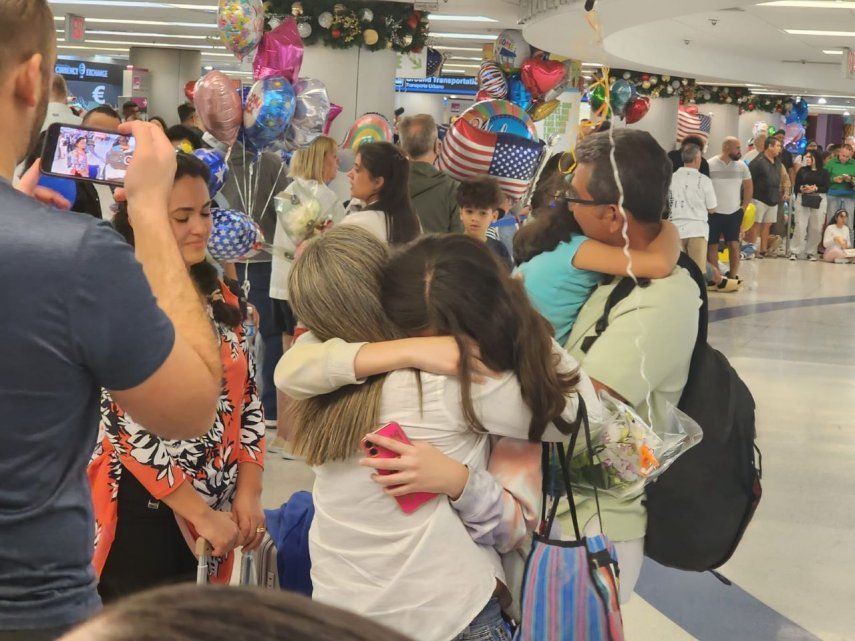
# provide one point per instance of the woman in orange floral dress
(153, 497)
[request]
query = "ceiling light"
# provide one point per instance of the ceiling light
(162, 23)
(139, 5)
(447, 48)
(822, 101)
(453, 72)
(846, 113)
(137, 34)
(820, 32)
(208, 68)
(222, 55)
(166, 45)
(453, 58)
(833, 52)
(93, 48)
(464, 36)
(450, 18)
(591, 64)
(810, 4)
(460, 66)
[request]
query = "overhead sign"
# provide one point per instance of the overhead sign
(92, 83)
(442, 85)
(75, 28)
(426, 5)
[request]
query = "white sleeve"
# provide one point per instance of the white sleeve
(709, 193)
(746, 172)
(503, 412)
(311, 368)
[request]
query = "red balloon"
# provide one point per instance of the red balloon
(483, 95)
(690, 109)
(190, 90)
(541, 76)
(636, 109)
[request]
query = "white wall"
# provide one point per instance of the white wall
(660, 121)
(357, 79)
(170, 70)
(725, 122)
(431, 104)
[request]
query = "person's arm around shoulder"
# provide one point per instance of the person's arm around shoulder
(710, 200)
(179, 400)
(657, 261)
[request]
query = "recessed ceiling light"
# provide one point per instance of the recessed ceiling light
(820, 32)
(161, 45)
(822, 101)
(833, 52)
(208, 68)
(442, 17)
(464, 36)
(162, 23)
(137, 34)
(458, 66)
(139, 5)
(125, 49)
(464, 58)
(454, 72)
(846, 113)
(448, 48)
(810, 4)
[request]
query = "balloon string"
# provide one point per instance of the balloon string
(272, 189)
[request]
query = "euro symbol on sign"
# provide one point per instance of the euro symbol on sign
(98, 94)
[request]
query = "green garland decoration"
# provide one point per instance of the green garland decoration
(689, 92)
(376, 26)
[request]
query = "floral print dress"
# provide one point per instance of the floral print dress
(210, 462)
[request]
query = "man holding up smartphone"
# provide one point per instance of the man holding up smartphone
(79, 312)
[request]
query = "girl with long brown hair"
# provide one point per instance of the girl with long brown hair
(419, 573)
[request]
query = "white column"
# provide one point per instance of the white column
(725, 122)
(660, 121)
(170, 70)
(357, 79)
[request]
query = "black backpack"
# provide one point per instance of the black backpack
(699, 509)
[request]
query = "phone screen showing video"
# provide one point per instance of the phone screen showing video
(92, 155)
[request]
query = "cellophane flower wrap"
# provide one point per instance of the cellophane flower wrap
(627, 452)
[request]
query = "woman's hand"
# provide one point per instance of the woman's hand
(420, 468)
(247, 513)
(219, 530)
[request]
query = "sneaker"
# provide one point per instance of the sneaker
(761, 255)
(726, 286)
(793, 257)
(732, 277)
(840, 261)
(774, 243)
(270, 423)
(812, 258)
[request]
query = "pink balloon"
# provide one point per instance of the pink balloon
(219, 106)
(335, 110)
(280, 53)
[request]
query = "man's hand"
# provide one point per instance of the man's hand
(29, 184)
(151, 172)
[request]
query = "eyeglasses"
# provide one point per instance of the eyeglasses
(585, 201)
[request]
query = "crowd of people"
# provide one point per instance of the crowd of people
(708, 201)
(135, 420)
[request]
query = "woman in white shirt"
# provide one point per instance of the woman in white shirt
(422, 573)
(836, 239)
(379, 186)
(312, 169)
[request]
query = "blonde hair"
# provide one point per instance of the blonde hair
(308, 162)
(335, 291)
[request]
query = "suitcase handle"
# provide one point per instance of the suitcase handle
(204, 551)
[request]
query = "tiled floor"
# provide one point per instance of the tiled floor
(795, 569)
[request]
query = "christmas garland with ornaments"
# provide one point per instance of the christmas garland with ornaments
(343, 25)
(689, 92)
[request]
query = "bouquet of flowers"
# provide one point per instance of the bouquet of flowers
(626, 452)
(302, 213)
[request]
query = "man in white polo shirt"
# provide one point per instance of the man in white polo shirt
(733, 191)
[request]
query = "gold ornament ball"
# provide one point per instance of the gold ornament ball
(407, 40)
(297, 9)
(370, 37)
(646, 84)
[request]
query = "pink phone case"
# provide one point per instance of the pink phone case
(409, 503)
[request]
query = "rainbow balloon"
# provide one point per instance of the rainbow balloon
(501, 116)
(372, 127)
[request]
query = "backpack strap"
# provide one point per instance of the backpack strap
(622, 290)
(700, 280)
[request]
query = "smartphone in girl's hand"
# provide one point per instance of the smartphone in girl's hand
(409, 503)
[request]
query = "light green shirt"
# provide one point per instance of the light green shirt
(652, 330)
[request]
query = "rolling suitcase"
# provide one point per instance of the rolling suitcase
(257, 569)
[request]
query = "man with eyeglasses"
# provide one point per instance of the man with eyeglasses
(643, 355)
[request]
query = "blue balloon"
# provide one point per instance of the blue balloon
(65, 187)
(235, 235)
(269, 107)
(517, 93)
(216, 162)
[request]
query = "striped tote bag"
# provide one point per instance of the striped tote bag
(570, 588)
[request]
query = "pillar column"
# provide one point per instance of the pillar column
(357, 79)
(660, 121)
(170, 70)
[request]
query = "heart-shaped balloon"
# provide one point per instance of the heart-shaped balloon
(190, 90)
(541, 76)
(636, 109)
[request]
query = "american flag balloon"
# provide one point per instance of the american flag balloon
(235, 235)
(512, 160)
(692, 123)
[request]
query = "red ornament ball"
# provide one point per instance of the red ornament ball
(418, 49)
(336, 33)
(412, 22)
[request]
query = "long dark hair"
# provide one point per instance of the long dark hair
(452, 285)
(817, 158)
(204, 274)
(552, 223)
(384, 160)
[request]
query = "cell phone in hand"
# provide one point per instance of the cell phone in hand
(408, 503)
(87, 153)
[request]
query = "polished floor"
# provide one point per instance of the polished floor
(790, 333)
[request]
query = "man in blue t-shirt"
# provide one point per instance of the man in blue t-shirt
(79, 313)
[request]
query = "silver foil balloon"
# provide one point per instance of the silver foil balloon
(313, 105)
